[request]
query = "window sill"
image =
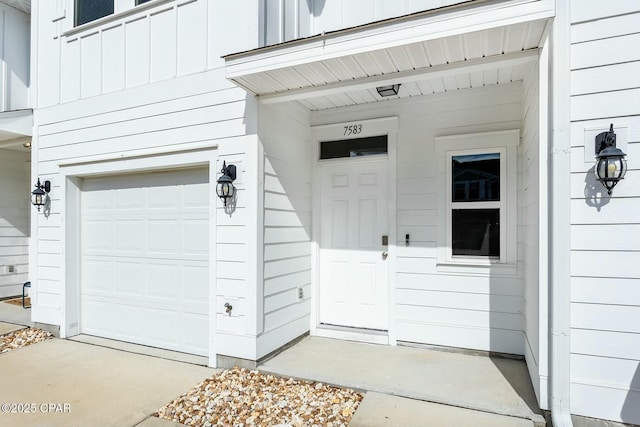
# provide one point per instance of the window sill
(480, 268)
(113, 17)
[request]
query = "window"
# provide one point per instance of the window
(477, 195)
(90, 10)
(357, 147)
(475, 205)
(141, 1)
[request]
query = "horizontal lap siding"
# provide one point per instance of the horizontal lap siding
(285, 136)
(14, 220)
(181, 112)
(605, 307)
(482, 312)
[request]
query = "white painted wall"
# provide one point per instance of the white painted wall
(488, 311)
(605, 308)
(137, 45)
(529, 205)
(286, 20)
(285, 136)
(14, 60)
(14, 220)
(146, 82)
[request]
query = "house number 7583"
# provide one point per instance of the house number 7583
(352, 130)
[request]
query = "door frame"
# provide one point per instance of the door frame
(334, 132)
(72, 174)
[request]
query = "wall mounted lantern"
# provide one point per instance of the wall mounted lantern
(225, 188)
(611, 166)
(389, 90)
(40, 194)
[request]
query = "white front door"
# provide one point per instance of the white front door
(353, 267)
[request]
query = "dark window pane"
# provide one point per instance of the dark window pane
(476, 232)
(90, 10)
(353, 147)
(476, 178)
(141, 1)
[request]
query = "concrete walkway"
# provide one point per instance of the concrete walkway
(485, 385)
(7, 328)
(68, 383)
(11, 313)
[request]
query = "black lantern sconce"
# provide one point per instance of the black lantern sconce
(225, 188)
(40, 194)
(611, 166)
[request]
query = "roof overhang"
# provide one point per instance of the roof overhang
(472, 43)
(16, 128)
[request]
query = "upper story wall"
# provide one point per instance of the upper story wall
(14, 59)
(134, 46)
(286, 20)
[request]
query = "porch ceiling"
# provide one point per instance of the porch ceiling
(21, 5)
(481, 58)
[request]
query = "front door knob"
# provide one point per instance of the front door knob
(384, 255)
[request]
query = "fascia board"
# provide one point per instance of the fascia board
(377, 37)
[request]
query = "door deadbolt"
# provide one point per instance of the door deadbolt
(385, 240)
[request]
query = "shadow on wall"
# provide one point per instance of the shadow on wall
(316, 6)
(631, 408)
(595, 195)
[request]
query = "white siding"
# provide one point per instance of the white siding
(529, 204)
(285, 136)
(291, 19)
(182, 112)
(134, 47)
(14, 61)
(487, 311)
(14, 220)
(605, 308)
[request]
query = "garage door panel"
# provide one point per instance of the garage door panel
(98, 275)
(97, 316)
(130, 279)
(163, 281)
(129, 236)
(196, 283)
(196, 237)
(145, 259)
(127, 198)
(163, 236)
(97, 235)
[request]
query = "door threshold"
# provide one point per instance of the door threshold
(371, 336)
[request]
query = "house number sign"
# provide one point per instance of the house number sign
(354, 129)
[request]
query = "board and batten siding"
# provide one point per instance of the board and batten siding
(286, 141)
(292, 19)
(14, 60)
(144, 44)
(486, 311)
(14, 221)
(605, 250)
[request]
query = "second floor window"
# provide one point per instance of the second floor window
(90, 10)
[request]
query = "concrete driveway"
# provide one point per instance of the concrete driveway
(67, 383)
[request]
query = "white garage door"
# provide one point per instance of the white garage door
(144, 260)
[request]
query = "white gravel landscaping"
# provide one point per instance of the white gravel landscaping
(22, 338)
(240, 397)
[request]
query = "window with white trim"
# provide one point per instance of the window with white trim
(477, 194)
(90, 10)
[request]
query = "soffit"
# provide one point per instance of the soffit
(466, 46)
(488, 57)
